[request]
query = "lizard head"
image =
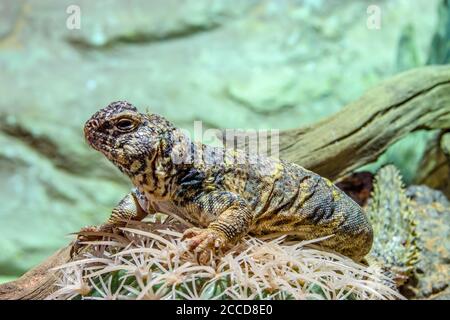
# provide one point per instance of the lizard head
(125, 136)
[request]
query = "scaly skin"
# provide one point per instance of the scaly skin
(226, 193)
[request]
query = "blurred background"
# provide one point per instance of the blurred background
(231, 64)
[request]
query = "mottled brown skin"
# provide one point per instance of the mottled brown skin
(226, 193)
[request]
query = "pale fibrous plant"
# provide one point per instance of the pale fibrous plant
(148, 260)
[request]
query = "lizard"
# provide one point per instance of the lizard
(223, 193)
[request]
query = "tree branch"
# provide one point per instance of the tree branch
(363, 130)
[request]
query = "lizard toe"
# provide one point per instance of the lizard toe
(89, 233)
(191, 232)
(204, 257)
(204, 243)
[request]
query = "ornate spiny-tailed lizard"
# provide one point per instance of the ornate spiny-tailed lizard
(226, 193)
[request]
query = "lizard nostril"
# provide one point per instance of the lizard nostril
(89, 128)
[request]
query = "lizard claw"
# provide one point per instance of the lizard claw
(190, 233)
(203, 241)
(85, 234)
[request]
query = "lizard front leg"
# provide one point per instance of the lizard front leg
(129, 208)
(230, 218)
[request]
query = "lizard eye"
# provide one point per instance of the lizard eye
(125, 125)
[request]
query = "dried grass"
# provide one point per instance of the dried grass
(150, 262)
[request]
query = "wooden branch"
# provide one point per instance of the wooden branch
(39, 282)
(418, 99)
(362, 131)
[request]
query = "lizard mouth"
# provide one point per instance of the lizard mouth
(89, 139)
(102, 143)
(94, 141)
(99, 142)
(94, 138)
